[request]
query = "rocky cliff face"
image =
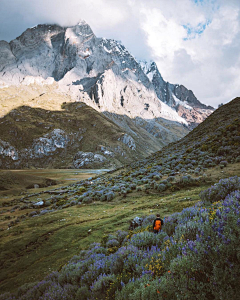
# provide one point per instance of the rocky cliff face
(178, 97)
(104, 75)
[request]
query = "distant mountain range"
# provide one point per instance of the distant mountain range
(70, 64)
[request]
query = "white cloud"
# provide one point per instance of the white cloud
(195, 43)
(164, 36)
(205, 60)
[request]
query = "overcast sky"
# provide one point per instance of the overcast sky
(194, 42)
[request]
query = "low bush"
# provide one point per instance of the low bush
(110, 196)
(112, 243)
(221, 189)
(101, 284)
(87, 200)
(161, 187)
(224, 163)
(171, 178)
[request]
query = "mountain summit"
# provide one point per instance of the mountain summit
(71, 64)
(100, 72)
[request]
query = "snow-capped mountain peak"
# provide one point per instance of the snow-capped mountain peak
(99, 71)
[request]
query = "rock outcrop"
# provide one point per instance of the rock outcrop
(86, 159)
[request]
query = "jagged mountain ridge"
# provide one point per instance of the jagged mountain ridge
(99, 71)
(177, 96)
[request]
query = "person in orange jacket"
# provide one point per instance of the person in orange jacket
(157, 224)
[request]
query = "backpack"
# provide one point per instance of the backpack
(158, 225)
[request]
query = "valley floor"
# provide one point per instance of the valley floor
(14, 182)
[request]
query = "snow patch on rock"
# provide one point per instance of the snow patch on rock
(183, 103)
(170, 114)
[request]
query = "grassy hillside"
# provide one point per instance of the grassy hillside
(72, 217)
(84, 130)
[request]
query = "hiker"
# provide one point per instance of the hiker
(157, 224)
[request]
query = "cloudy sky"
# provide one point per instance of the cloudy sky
(194, 42)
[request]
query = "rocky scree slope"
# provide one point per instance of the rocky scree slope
(101, 73)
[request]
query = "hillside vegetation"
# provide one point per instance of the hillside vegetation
(194, 184)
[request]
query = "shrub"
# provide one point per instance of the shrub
(223, 150)
(110, 196)
(87, 200)
(141, 288)
(97, 195)
(120, 235)
(82, 189)
(133, 186)
(170, 224)
(146, 187)
(83, 293)
(157, 177)
(103, 197)
(208, 163)
(185, 180)
(148, 220)
(224, 163)
(116, 188)
(171, 178)
(161, 187)
(167, 170)
(143, 239)
(221, 189)
(101, 284)
(112, 243)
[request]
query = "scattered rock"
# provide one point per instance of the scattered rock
(39, 204)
